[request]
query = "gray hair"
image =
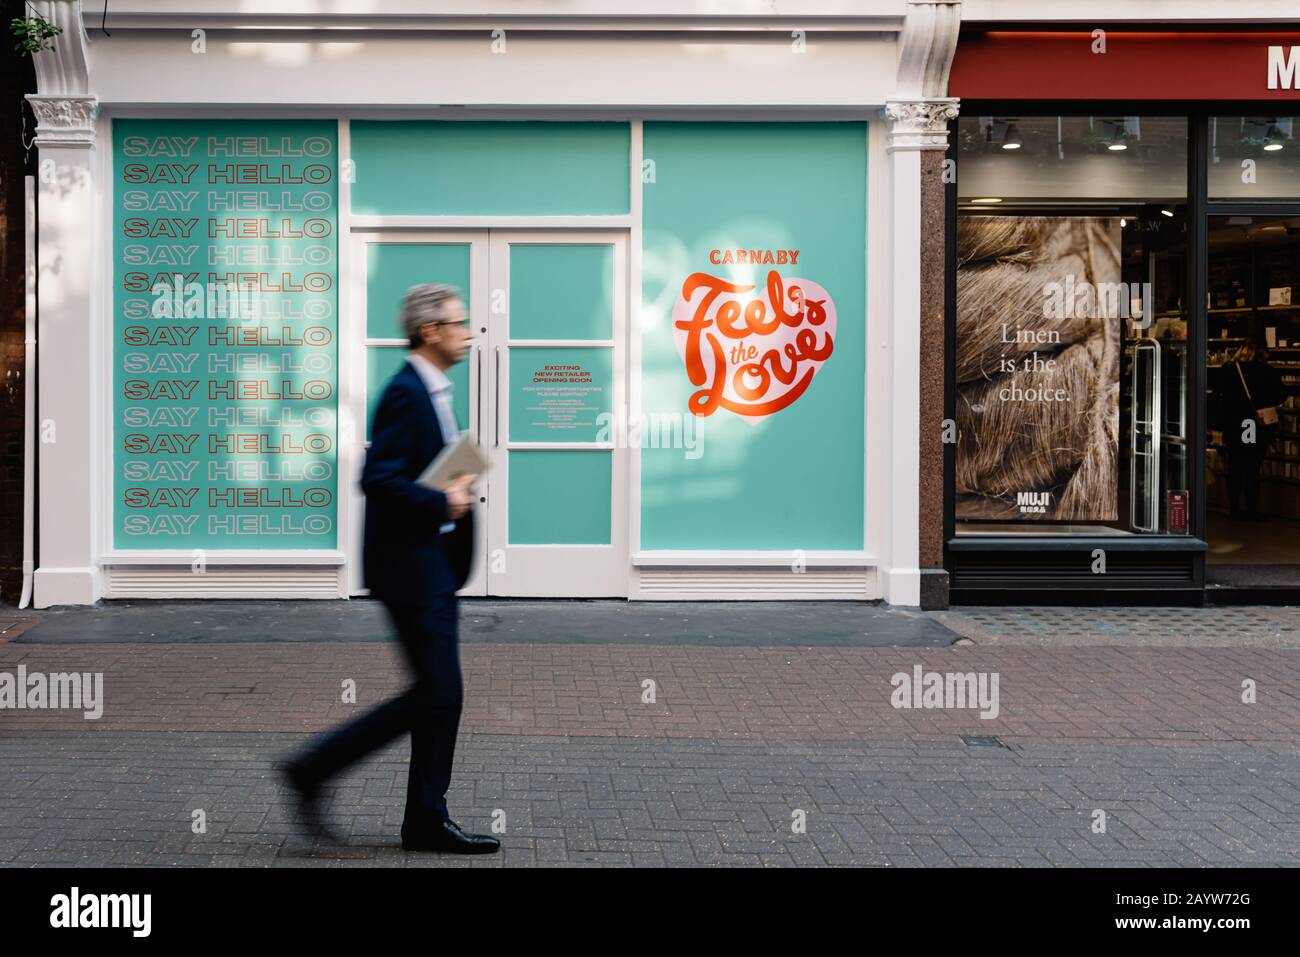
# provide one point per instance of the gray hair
(423, 304)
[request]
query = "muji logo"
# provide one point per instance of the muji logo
(1033, 503)
(751, 353)
(1284, 68)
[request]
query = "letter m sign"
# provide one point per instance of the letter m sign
(1284, 68)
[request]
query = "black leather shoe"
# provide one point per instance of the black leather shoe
(308, 810)
(448, 838)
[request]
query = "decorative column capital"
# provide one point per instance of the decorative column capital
(63, 120)
(920, 124)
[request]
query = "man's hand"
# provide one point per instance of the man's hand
(459, 497)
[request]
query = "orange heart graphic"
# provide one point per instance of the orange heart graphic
(751, 354)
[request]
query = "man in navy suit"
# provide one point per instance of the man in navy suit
(418, 548)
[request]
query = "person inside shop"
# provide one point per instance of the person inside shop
(1248, 392)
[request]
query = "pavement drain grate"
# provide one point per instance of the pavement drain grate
(982, 741)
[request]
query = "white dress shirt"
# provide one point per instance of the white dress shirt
(440, 387)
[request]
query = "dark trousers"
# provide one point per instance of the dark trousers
(1244, 463)
(430, 710)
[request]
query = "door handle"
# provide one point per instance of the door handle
(496, 406)
(1145, 418)
(478, 396)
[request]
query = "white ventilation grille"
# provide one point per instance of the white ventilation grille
(708, 584)
(222, 581)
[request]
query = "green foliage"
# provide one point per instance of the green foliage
(33, 34)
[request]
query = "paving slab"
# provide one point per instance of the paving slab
(140, 799)
(551, 621)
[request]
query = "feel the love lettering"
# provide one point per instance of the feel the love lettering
(751, 353)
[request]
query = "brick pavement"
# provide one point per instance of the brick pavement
(1097, 695)
(122, 798)
(558, 738)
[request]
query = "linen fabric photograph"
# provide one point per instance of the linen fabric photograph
(1039, 307)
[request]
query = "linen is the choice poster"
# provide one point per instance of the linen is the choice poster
(225, 334)
(1039, 306)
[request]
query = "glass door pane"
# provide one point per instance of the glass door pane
(1154, 378)
(1253, 400)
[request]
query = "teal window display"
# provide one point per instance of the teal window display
(754, 316)
(488, 167)
(225, 334)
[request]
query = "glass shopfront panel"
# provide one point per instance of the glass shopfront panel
(1072, 159)
(753, 336)
(1254, 157)
(392, 269)
(1253, 399)
(490, 168)
(1072, 325)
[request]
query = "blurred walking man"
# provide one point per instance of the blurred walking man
(418, 547)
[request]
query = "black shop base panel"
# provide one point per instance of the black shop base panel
(1162, 570)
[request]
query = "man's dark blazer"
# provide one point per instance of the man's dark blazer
(406, 559)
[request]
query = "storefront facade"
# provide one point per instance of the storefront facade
(691, 245)
(1123, 313)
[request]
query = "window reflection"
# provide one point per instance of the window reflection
(1072, 325)
(1070, 159)
(1254, 157)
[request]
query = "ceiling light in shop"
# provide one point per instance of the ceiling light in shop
(1122, 222)
(1115, 133)
(988, 199)
(1168, 212)
(1265, 133)
(1013, 140)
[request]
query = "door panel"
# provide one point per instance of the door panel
(1253, 362)
(558, 357)
(560, 497)
(543, 379)
(385, 266)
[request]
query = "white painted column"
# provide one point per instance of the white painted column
(918, 116)
(68, 384)
(69, 337)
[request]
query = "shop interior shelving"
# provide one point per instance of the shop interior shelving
(1251, 266)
